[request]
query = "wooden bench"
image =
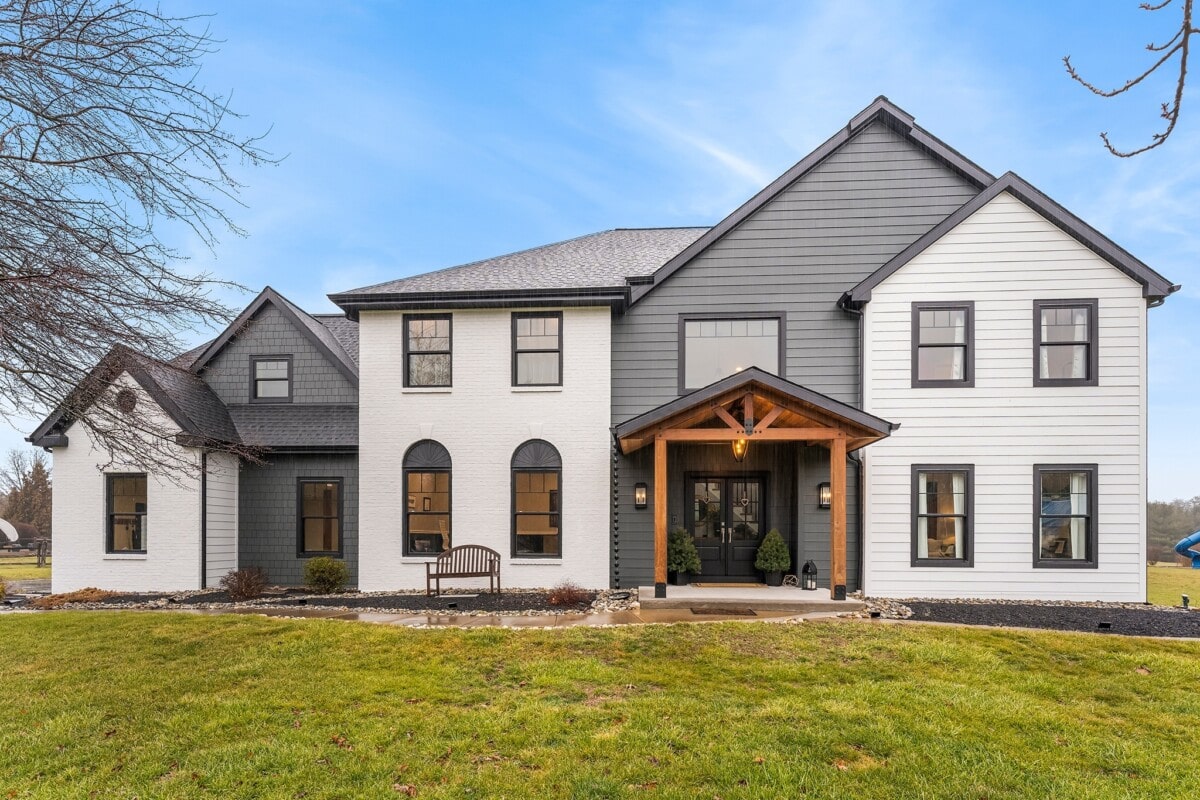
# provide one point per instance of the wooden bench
(464, 561)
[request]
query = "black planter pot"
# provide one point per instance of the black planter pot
(679, 578)
(774, 578)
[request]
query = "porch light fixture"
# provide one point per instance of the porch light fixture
(824, 495)
(740, 446)
(808, 576)
(639, 495)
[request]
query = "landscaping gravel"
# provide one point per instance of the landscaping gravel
(1125, 619)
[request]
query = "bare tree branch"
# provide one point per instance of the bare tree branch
(106, 136)
(1177, 45)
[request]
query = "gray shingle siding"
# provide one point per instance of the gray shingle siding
(314, 379)
(797, 254)
(268, 535)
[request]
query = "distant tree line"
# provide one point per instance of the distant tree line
(25, 496)
(1167, 523)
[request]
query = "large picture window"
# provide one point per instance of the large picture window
(1064, 343)
(537, 349)
(1064, 500)
(270, 379)
(427, 504)
(427, 350)
(941, 515)
(320, 516)
(716, 347)
(537, 500)
(126, 513)
(943, 342)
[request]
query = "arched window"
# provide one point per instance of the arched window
(427, 486)
(537, 500)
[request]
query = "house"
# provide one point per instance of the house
(930, 380)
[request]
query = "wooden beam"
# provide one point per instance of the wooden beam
(837, 519)
(769, 419)
(660, 517)
(728, 419)
(770, 435)
(748, 411)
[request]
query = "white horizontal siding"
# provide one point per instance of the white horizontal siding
(221, 552)
(1003, 258)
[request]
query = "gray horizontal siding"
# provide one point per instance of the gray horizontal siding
(798, 254)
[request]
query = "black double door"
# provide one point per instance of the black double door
(727, 524)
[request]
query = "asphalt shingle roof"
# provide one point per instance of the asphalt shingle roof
(194, 398)
(299, 425)
(598, 260)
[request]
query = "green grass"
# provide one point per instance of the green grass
(160, 705)
(1165, 583)
(23, 568)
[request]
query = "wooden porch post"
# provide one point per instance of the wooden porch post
(660, 516)
(837, 519)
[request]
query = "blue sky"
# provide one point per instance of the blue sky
(421, 135)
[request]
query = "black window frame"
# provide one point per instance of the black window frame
(109, 513)
(512, 508)
(1093, 342)
(300, 517)
(968, 560)
(254, 361)
(968, 379)
(1093, 532)
(684, 319)
(518, 315)
(408, 467)
(449, 352)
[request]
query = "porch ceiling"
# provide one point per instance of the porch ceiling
(771, 408)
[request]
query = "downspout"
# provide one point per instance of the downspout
(203, 519)
(860, 476)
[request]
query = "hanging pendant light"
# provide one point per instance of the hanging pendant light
(740, 446)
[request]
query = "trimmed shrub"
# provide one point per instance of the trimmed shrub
(773, 553)
(681, 552)
(566, 593)
(245, 584)
(325, 575)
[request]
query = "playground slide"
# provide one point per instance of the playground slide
(1185, 548)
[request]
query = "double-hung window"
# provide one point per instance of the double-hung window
(320, 516)
(1064, 515)
(126, 513)
(270, 379)
(943, 344)
(711, 348)
(942, 509)
(427, 350)
(537, 349)
(1065, 351)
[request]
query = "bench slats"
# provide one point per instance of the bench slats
(464, 561)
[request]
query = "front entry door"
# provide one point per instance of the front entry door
(727, 525)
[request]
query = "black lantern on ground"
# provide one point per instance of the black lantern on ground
(824, 495)
(639, 495)
(808, 576)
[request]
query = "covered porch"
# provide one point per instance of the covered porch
(744, 412)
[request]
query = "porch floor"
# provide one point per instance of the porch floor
(756, 598)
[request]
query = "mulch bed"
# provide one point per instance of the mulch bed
(1127, 621)
(483, 602)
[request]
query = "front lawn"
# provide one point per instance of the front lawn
(167, 705)
(1166, 582)
(23, 568)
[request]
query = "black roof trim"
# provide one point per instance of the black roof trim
(337, 355)
(743, 378)
(882, 110)
(1154, 286)
(616, 296)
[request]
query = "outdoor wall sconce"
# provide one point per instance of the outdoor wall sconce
(808, 576)
(639, 495)
(824, 495)
(740, 446)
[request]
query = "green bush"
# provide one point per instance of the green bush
(681, 552)
(324, 575)
(773, 553)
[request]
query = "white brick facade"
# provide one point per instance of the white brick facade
(481, 420)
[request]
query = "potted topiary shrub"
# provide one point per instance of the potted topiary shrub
(773, 558)
(682, 557)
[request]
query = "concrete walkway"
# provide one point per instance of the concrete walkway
(761, 599)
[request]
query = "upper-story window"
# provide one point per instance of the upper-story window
(943, 344)
(537, 349)
(715, 347)
(1065, 351)
(427, 344)
(270, 379)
